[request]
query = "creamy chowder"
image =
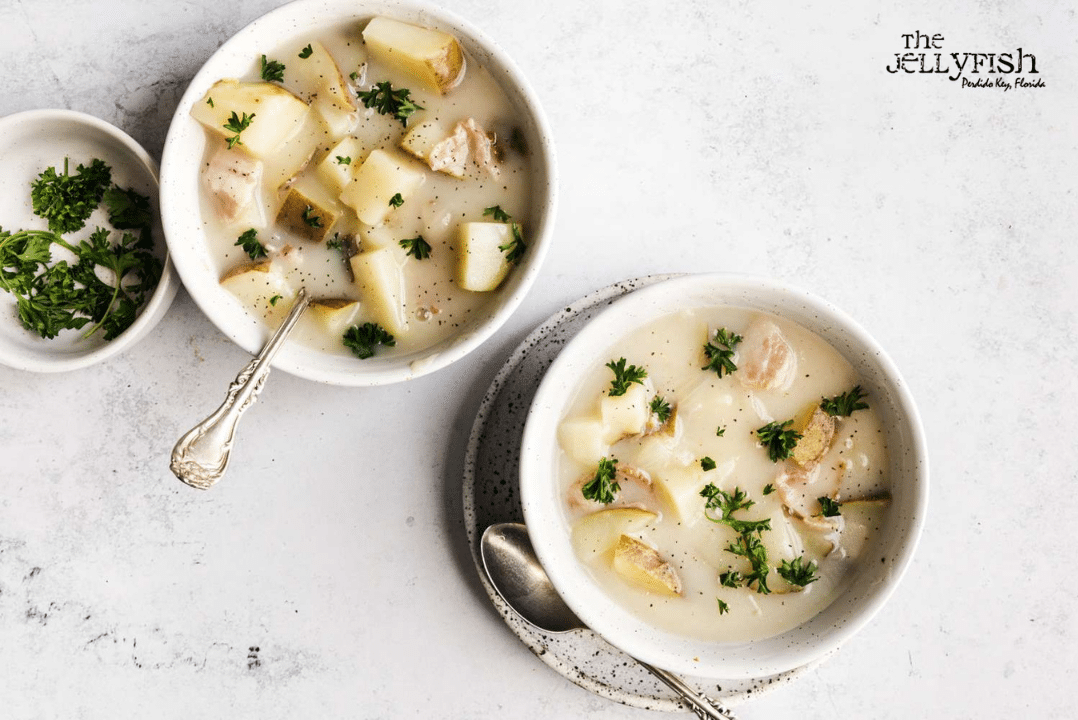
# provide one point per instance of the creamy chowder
(723, 474)
(380, 166)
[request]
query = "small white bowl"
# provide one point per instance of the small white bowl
(182, 214)
(873, 583)
(30, 142)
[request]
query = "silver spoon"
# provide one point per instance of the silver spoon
(201, 455)
(513, 569)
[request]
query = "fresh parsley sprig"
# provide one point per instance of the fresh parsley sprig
(237, 124)
(748, 544)
(661, 408)
(796, 572)
(845, 404)
(602, 487)
(778, 440)
(516, 247)
(828, 507)
(67, 201)
(362, 339)
(416, 247)
(720, 352)
(272, 71)
(624, 376)
(387, 101)
(248, 240)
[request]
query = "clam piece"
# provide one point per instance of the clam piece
(800, 489)
(232, 179)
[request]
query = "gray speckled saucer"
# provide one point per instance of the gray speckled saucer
(491, 496)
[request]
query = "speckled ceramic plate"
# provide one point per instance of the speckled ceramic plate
(491, 495)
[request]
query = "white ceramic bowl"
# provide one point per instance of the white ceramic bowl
(37, 139)
(550, 531)
(183, 154)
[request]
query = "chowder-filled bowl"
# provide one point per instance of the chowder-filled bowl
(547, 495)
(191, 231)
(30, 142)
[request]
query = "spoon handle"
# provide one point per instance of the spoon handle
(703, 706)
(201, 455)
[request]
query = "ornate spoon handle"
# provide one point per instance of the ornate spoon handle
(703, 706)
(201, 455)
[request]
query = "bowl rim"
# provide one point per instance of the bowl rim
(549, 531)
(377, 371)
(163, 295)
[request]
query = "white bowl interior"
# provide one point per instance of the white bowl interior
(874, 581)
(184, 149)
(30, 142)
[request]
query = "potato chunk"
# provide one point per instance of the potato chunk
(307, 215)
(334, 314)
(443, 151)
(336, 168)
(641, 564)
(816, 428)
(625, 414)
(597, 533)
(432, 57)
(381, 176)
(275, 114)
(481, 263)
(582, 439)
(261, 288)
(380, 277)
(320, 76)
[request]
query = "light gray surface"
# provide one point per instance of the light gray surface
(709, 135)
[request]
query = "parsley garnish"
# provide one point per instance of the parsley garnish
(249, 242)
(707, 464)
(237, 125)
(768, 489)
(829, 507)
(354, 75)
(720, 352)
(723, 607)
(311, 219)
(67, 201)
(362, 339)
(417, 247)
(209, 101)
(396, 200)
(515, 248)
(272, 71)
(344, 160)
(845, 404)
(387, 101)
(731, 579)
(661, 408)
(720, 431)
(624, 376)
(796, 573)
(306, 52)
(602, 487)
(748, 544)
(778, 440)
(274, 299)
(335, 242)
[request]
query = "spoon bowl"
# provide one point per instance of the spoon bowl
(514, 570)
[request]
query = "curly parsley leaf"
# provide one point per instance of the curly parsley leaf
(796, 572)
(661, 408)
(249, 242)
(237, 124)
(602, 487)
(362, 339)
(497, 214)
(396, 201)
(306, 52)
(387, 101)
(310, 218)
(845, 404)
(829, 507)
(778, 440)
(624, 376)
(720, 353)
(272, 71)
(723, 607)
(67, 201)
(516, 247)
(748, 544)
(417, 247)
(706, 463)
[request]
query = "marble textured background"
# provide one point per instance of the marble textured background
(325, 579)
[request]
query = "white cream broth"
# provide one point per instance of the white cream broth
(853, 468)
(436, 307)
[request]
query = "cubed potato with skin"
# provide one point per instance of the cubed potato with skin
(481, 263)
(275, 114)
(432, 57)
(308, 215)
(642, 564)
(598, 532)
(382, 175)
(817, 428)
(582, 439)
(679, 488)
(379, 275)
(319, 75)
(337, 166)
(261, 288)
(625, 414)
(335, 314)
